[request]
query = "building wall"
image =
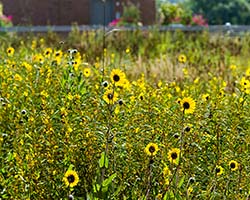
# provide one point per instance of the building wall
(44, 12)
(148, 11)
(65, 12)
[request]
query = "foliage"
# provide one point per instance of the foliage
(180, 14)
(174, 13)
(5, 21)
(233, 11)
(130, 16)
(178, 127)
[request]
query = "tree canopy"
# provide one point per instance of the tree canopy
(222, 11)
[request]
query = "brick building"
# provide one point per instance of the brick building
(66, 12)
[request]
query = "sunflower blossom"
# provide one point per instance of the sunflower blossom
(118, 77)
(182, 58)
(188, 105)
(151, 149)
(233, 165)
(219, 170)
(110, 97)
(71, 178)
(174, 155)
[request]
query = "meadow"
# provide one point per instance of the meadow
(129, 115)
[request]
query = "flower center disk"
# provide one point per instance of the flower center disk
(174, 156)
(186, 105)
(151, 149)
(71, 178)
(116, 78)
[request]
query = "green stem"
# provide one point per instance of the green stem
(149, 180)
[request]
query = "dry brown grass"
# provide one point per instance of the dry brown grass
(161, 68)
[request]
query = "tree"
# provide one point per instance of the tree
(220, 12)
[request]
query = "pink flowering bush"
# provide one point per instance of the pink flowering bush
(179, 14)
(114, 22)
(199, 20)
(130, 17)
(5, 20)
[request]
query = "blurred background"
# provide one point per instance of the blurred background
(124, 12)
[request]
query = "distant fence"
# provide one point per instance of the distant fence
(232, 29)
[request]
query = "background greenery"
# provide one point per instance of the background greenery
(216, 12)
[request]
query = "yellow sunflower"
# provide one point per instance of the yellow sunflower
(58, 54)
(174, 155)
(125, 84)
(219, 170)
(76, 63)
(17, 77)
(205, 97)
(110, 97)
(182, 58)
(245, 85)
(248, 72)
(233, 165)
(166, 172)
(38, 58)
(117, 77)
(151, 149)
(71, 178)
(188, 105)
(87, 72)
(27, 66)
(190, 190)
(178, 101)
(47, 52)
(10, 51)
(141, 96)
(166, 175)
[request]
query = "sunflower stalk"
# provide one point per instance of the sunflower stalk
(178, 166)
(218, 143)
(110, 95)
(149, 179)
(105, 156)
(181, 147)
(104, 40)
(227, 185)
(108, 140)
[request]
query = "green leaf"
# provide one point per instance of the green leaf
(181, 182)
(108, 180)
(10, 156)
(117, 191)
(105, 189)
(178, 197)
(70, 167)
(103, 160)
(106, 162)
(166, 197)
(169, 195)
(96, 188)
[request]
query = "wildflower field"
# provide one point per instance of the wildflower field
(129, 115)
